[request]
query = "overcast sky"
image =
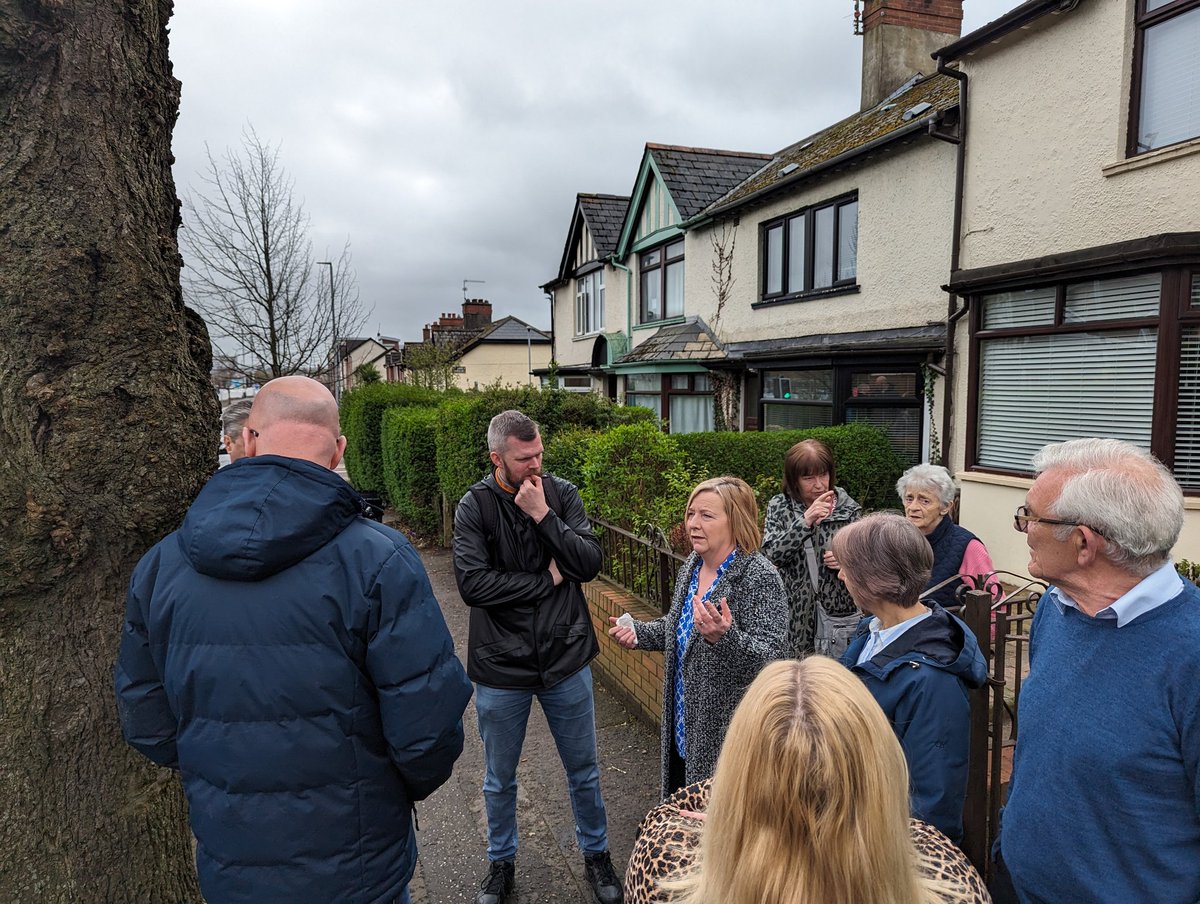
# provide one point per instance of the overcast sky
(448, 140)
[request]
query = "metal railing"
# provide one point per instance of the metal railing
(1002, 628)
(645, 565)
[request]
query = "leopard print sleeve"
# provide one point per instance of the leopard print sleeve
(666, 845)
(942, 861)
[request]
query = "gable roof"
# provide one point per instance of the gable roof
(603, 216)
(900, 115)
(506, 329)
(693, 179)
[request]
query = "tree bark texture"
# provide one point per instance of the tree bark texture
(107, 431)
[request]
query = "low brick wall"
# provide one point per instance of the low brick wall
(634, 677)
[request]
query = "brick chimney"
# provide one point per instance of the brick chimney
(476, 313)
(898, 38)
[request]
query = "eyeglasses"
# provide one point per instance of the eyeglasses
(1022, 520)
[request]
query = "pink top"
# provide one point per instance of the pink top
(975, 561)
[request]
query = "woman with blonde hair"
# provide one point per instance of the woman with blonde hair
(728, 618)
(808, 805)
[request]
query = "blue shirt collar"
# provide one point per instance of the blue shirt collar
(1158, 587)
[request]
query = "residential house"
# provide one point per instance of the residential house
(1077, 274)
(471, 351)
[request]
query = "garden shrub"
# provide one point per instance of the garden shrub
(462, 453)
(362, 418)
(635, 476)
(409, 440)
(867, 466)
(566, 451)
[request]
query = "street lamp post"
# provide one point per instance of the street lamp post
(529, 349)
(337, 351)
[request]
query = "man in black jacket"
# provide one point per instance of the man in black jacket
(522, 546)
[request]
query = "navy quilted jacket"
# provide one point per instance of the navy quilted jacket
(289, 658)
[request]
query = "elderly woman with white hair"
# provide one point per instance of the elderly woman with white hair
(927, 492)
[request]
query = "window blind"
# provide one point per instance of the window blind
(1035, 390)
(1113, 299)
(1024, 307)
(1170, 102)
(1187, 423)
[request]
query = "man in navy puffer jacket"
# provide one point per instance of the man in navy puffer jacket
(288, 657)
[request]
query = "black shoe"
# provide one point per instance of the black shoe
(601, 876)
(498, 885)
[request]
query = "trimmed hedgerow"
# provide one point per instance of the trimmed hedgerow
(362, 411)
(410, 466)
(462, 454)
(635, 476)
(867, 466)
(566, 450)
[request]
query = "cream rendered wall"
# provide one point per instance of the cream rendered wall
(1046, 172)
(573, 351)
(905, 210)
(505, 362)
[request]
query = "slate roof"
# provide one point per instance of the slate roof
(854, 134)
(691, 340)
(696, 177)
(604, 215)
(508, 329)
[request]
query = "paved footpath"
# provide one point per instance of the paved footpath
(453, 835)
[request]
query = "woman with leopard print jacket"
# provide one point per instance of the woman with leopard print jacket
(799, 528)
(809, 804)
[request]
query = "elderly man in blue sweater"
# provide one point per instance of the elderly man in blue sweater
(1104, 804)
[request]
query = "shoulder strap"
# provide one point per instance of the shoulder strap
(550, 491)
(488, 511)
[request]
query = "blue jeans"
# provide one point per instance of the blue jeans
(570, 712)
(405, 897)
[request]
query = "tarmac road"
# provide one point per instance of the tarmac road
(453, 834)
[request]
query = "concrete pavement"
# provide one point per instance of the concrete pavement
(453, 834)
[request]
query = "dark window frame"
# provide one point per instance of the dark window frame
(809, 214)
(661, 267)
(1143, 21)
(665, 390)
(842, 393)
(1174, 315)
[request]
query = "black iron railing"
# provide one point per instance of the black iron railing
(642, 564)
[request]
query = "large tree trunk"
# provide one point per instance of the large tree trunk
(107, 431)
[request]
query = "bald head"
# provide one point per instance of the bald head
(295, 417)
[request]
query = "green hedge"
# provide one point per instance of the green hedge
(867, 466)
(410, 466)
(462, 453)
(362, 411)
(566, 451)
(636, 476)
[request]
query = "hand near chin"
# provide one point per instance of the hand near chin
(531, 498)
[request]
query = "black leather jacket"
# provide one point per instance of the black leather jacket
(525, 632)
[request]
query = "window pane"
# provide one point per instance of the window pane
(848, 241)
(675, 289)
(679, 381)
(902, 425)
(1187, 430)
(702, 383)
(1152, 5)
(690, 414)
(775, 260)
(823, 248)
(642, 400)
(643, 382)
(884, 385)
(808, 385)
(650, 259)
(1035, 390)
(674, 250)
(778, 416)
(1113, 299)
(1170, 107)
(1196, 291)
(796, 260)
(1024, 307)
(651, 300)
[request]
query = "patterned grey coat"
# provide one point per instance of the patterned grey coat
(717, 675)
(784, 534)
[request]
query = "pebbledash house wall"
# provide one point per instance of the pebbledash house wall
(576, 351)
(506, 363)
(633, 676)
(1047, 172)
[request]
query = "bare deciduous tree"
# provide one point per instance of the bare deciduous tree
(430, 365)
(249, 266)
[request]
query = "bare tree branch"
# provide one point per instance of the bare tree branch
(249, 266)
